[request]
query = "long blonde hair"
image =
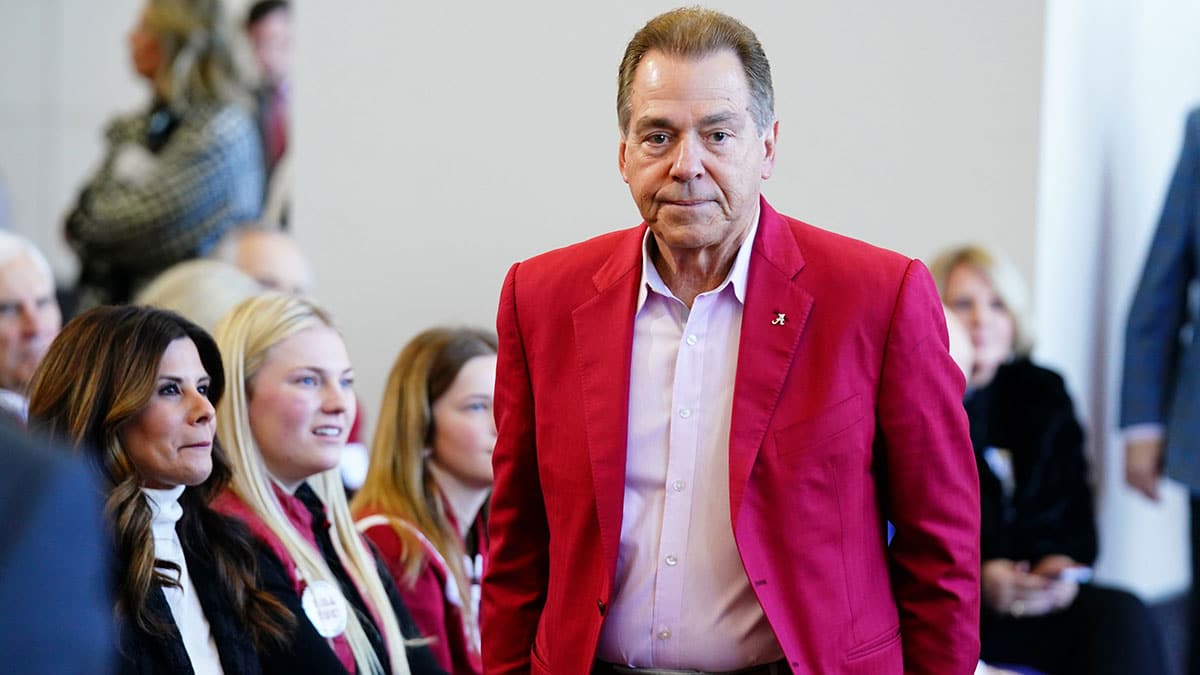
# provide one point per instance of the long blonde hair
(205, 57)
(245, 337)
(399, 484)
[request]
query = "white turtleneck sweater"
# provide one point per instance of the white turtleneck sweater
(185, 605)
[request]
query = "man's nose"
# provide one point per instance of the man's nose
(689, 154)
(31, 318)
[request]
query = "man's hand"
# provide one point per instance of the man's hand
(1010, 588)
(1143, 465)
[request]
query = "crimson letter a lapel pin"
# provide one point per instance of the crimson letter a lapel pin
(780, 319)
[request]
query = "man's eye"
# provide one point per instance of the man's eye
(657, 139)
(8, 308)
(719, 136)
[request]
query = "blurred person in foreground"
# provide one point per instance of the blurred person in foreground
(1038, 521)
(55, 576)
(179, 175)
(706, 421)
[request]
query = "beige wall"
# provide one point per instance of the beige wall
(439, 142)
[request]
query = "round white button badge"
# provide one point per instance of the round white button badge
(326, 608)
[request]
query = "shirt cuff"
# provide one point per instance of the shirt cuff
(1148, 431)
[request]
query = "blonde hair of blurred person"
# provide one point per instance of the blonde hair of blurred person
(416, 480)
(201, 290)
(246, 336)
(192, 53)
(29, 318)
(999, 328)
(271, 257)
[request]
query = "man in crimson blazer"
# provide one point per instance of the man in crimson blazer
(706, 422)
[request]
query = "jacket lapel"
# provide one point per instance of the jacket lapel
(604, 344)
(773, 319)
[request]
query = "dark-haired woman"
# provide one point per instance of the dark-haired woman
(135, 388)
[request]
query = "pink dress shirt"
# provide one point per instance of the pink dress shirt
(681, 597)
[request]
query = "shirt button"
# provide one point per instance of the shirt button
(678, 486)
(664, 634)
(672, 561)
(685, 413)
(692, 340)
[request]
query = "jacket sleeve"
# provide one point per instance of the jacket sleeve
(515, 584)
(1159, 306)
(207, 176)
(932, 486)
(1061, 517)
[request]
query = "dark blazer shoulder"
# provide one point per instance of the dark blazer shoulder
(1037, 390)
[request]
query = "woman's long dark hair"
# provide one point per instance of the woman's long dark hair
(99, 374)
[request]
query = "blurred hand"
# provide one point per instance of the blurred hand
(1052, 565)
(1143, 465)
(1010, 588)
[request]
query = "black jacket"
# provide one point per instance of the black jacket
(309, 653)
(1026, 410)
(146, 654)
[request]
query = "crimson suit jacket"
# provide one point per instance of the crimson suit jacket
(846, 416)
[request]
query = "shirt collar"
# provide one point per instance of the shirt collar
(738, 276)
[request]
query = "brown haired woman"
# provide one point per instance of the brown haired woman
(135, 388)
(423, 503)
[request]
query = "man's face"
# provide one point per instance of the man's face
(692, 157)
(275, 261)
(271, 40)
(29, 320)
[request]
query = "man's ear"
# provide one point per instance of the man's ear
(621, 159)
(768, 140)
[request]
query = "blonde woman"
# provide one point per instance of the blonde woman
(181, 172)
(284, 423)
(423, 503)
(1038, 535)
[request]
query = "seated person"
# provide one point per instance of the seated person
(1038, 526)
(423, 504)
(290, 406)
(201, 290)
(178, 176)
(270, 257)
(133, 388)
(29, 320)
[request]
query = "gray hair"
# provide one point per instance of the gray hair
(696, 32)
(13, 245)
